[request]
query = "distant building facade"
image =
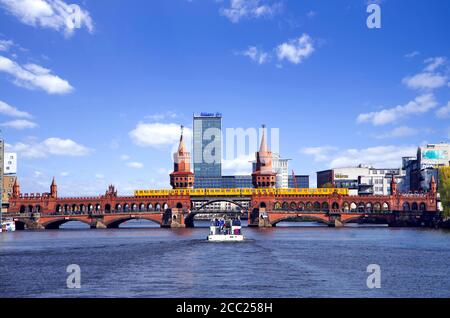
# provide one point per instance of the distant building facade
(301, 182)
(362, 180)
(207, 139)
(421, 169)
(281, 168)
(10, 163)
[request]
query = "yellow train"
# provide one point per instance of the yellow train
(238, 192)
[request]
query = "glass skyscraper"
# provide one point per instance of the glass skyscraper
(207, 146)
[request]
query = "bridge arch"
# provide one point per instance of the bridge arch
(317, 206)
(262, 205)
(115, 223)
(361, 219)
(301, 218)
(346, 207)
(55, 224)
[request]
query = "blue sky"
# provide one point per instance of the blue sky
(95, 95)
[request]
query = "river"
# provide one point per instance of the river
(292, 260)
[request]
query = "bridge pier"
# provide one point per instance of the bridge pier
(34, 225)
(259, 218)
(98, 225)
(173, 219)
(336, 223)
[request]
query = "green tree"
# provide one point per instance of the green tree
(444, 189)
(328, 185)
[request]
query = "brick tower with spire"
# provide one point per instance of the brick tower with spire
(433, 185)
(54, 189)
(16, 189)
(394, 189)
(264, 176)
(182, 177)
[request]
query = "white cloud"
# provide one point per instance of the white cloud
(428, 79)
(161, 116)
(5, 45)
(420, 105)
(256, 55)
(412, 54)
(240, 9)
(12, 111)
(425, 81)
(297, 50)
(33, 76)
(47, 147)
(53, 14)
(311, 14)
(125, 157)
(444, 112)
(434, 63)
(99, 176)
(19, 124)
(64, 174)
(157, 134)
(398, 132)
(241, 165)
(381, 156)
(135, 165)
(320, 153)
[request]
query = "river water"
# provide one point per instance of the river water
(292, 260)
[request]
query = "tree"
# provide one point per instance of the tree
(444, 189)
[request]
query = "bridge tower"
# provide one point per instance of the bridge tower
(180, 179)
(54, 189)
(433, 186)
(394, 189)
(16, 189)
(263, 178)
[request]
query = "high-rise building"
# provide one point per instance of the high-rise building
(8, 184)
(421, 169)
(300, 182)
(10, 163)
(207, 145)
(281, 168)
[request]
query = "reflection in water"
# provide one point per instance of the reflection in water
(292, 260)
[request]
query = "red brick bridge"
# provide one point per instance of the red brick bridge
(176, 208)
(266, 206)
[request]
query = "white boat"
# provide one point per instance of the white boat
(8, 226)
(226, 230)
